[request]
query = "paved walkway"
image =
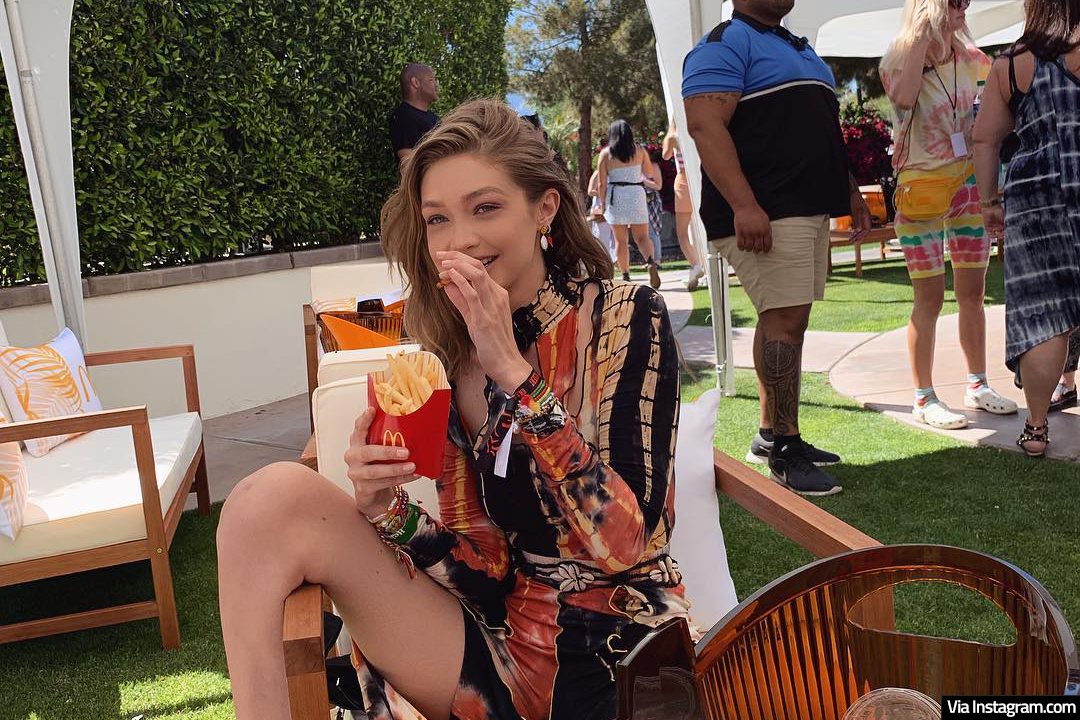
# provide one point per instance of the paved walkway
(877, 375)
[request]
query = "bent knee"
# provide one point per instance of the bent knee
(267, 497)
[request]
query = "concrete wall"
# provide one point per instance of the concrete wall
(247, 331)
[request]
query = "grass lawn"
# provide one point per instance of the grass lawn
(877, 302)
(901, 485)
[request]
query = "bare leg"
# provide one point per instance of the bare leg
(922, 328)
(622, 247)
(1040, 368)
(682, 229)
(778, 360)
(285, 525)
(643, 241)
(970, 286)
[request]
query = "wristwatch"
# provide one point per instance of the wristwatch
(987, 204)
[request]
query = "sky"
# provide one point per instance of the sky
(519, 103)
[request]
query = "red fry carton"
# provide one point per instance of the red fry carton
(422, 431)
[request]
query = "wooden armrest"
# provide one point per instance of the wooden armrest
(185, 352)
(85, 422)
(305, 658)
(792, 516)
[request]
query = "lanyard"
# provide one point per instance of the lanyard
(955, 97)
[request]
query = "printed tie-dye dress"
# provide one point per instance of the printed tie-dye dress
(561, 566)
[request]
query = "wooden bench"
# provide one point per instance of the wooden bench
(799, 520)
(879, 236)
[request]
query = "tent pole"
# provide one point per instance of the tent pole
(721, 321)
(67, 313)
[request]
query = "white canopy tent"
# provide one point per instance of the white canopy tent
(34, 41)
(864, 28)
(852, 28)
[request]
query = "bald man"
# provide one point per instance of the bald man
(412, 119)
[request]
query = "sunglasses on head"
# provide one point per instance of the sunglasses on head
(960, 4)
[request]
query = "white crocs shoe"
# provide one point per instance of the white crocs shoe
(984, 398)
(696, 273)
(936, 414)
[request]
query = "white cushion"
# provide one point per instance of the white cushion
(344, 364)
(85, 493)
(697, 542)
(13, 487)
(335, 407)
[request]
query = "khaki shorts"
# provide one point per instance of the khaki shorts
(792, 273)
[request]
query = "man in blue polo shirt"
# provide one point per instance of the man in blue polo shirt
(761, 107)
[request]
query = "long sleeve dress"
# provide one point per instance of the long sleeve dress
(561, 566)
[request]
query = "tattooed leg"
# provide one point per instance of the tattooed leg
(778, 360)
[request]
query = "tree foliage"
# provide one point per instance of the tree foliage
(207, 128)
(595, 56)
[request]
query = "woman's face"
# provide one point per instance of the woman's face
(957, 15)
(474, 207)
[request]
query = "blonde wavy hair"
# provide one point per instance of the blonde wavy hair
(492, 130)
(932, 14)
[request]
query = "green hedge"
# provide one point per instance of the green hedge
(207, 128)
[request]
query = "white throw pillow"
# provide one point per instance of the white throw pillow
(47, 381)
(697, 542)
(13, 488)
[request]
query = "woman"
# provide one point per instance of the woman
(625, 171)
(684, 209)
(1034, 91)
(932, 74)
(549, 562)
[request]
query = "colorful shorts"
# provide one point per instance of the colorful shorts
(924, 241)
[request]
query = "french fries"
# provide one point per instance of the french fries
(411, 381)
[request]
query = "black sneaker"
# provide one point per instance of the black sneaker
(626, 277)
(792, 468)
(760, 449)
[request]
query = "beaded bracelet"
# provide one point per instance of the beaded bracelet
(397, 525)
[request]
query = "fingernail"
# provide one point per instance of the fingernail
(409, 467)
(402, 454)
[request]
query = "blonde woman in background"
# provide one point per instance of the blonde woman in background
(684, 209)
(933, 75)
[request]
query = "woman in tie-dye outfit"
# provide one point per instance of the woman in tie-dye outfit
(549, 561)
(933, 76)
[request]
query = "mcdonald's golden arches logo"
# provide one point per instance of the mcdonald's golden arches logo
(391, 438)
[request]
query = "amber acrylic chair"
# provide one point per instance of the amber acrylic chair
(806, 646)
(809, 644)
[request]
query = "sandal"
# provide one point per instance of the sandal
(1034, 433)
(1062, 398)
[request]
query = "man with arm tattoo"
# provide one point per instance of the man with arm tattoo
(761, 108)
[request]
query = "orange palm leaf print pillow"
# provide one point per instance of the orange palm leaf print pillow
(13, 488)
(47, 381)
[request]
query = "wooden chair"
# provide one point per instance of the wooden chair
(803, 522)
(160, 522)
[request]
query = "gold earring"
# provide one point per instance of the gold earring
(546, 242)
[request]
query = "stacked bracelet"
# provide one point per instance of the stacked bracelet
(397, 525)
(537, 409)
